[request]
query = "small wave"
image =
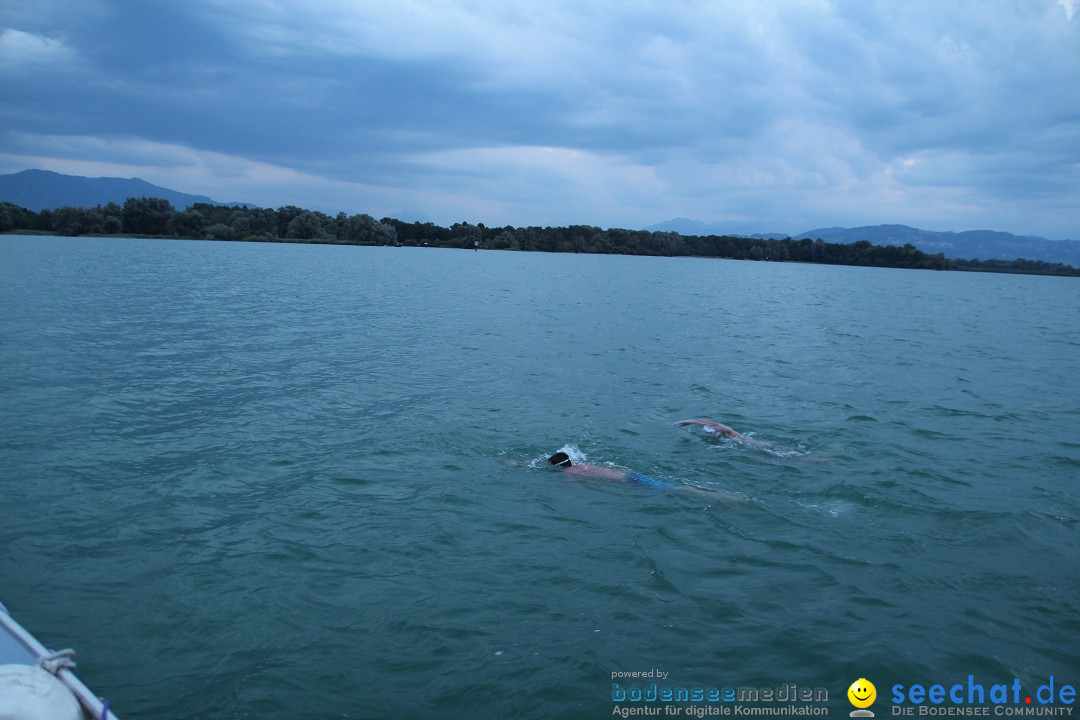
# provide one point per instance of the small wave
(832, 508)
(1065, 462)
(781, 451)
(954, 412)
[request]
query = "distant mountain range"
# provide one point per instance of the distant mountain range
(736, 228)
(38, 190)
(972, 244)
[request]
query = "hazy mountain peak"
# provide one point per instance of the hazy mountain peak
(969, 244)
(44, 189)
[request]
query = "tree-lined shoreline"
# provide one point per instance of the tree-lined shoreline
(157, 218)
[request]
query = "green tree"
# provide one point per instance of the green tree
(13, 217)
(240, 222)
(286, 215)
(69, 221)
(305, 226)
(112, 222)
(147, 216)
(357, 230)
(188, 224)
(44, 220)
(220, 231)
(466, 235)
(262, 222)
(504, 241)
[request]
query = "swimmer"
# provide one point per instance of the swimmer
(722, 429)
(718, 429)
(563, 462)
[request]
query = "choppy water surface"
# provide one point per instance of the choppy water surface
(277, 481)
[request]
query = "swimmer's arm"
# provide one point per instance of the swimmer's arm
(717, 426)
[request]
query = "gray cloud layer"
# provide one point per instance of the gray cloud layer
(946, 115)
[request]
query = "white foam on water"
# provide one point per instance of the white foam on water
(833, 508)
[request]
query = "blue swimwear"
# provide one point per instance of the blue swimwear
(636, 478)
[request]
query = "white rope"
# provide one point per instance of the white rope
(58, 660)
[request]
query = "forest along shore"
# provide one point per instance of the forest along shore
(157, 218)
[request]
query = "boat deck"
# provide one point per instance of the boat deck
(19, 647)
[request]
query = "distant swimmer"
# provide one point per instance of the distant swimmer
(722, 429)
(563, 462)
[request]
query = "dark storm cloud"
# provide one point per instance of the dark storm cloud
(797, 113)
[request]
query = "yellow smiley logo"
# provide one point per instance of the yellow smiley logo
(862, 693)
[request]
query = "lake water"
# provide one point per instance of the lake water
(283, 481)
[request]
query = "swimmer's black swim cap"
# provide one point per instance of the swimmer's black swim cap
(561, 459)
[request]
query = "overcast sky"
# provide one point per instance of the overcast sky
(789, 115)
